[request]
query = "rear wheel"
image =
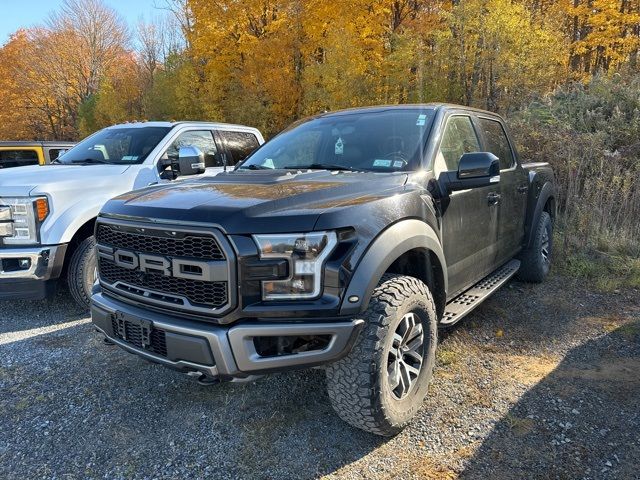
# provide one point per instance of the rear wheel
(81, 273)
(381, 384)
(536, 261)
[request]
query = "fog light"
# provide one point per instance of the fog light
(6, 229)
(24, 263)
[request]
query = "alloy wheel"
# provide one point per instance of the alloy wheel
(405, 356)
(545, 249)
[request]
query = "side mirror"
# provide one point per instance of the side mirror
(478, 165)
(475, 170)
(190, 161)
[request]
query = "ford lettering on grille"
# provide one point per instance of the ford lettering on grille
(211, 271)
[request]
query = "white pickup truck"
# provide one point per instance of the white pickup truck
(47, 214)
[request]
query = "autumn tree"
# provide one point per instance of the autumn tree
(62, 64)
(17, 120)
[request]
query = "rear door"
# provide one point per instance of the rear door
(469, 220)
(513, 188)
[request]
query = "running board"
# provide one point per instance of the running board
(464, 303)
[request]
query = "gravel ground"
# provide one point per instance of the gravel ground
(540, 382)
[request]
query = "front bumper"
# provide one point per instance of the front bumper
(35, 281)
(224, 353)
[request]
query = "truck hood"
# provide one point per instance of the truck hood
(256, 201)
(50, 178)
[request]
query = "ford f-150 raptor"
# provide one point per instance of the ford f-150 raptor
(344, 242)
(47, 215)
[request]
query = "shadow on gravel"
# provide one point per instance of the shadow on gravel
(26, 315)
(72, 406)
(581, 421)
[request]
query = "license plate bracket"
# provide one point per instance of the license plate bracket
(125, 323)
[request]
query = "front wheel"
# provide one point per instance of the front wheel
(82, 272)
(381, 384)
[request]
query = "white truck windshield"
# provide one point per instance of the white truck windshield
(117, 146)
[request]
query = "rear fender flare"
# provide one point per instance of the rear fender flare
(393, 242)
(546, 192)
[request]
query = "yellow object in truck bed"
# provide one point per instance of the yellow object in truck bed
(19, 154)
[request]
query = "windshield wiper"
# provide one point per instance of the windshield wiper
(320, 166)
(89, 161)
(253, 166)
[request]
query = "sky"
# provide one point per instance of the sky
(15, 14)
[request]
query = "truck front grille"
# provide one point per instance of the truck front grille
(163, 287)
(205, 294)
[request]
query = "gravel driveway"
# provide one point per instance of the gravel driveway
(540, 382)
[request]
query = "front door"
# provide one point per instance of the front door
(469, 217)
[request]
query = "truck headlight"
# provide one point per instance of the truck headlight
(306, 253)
(20, 218)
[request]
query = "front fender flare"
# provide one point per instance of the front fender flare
(396, 240)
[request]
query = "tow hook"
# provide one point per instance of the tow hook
(207, 381)
(204, 379)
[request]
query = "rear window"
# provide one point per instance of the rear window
(18, 158)
(54, 153)
(497, 142)
(239, 144)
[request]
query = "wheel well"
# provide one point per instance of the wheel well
(85, 231)
(424, 265)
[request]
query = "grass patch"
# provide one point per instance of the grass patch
(630, 331)
(520, 426)
(447, 357)
(606, 267)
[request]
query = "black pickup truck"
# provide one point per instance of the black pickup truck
(344, 242)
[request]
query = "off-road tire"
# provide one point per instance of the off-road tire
(358, 385)
(81, 272)
(534, 268)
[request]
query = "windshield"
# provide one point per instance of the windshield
(117, 146)
(388, 140)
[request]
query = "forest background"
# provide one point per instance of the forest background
(565, 74)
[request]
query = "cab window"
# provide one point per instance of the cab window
(238, 144)
(54, 153)
(203, 139)
(18, 158)
(497, 142)
(458, 138)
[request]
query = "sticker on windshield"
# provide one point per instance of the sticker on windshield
(398, 164)
(422, 119)
(129, 158)
(268, 162)
(378, 162)
(339, 146)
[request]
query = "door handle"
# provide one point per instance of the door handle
(523, 188)
(494, 198)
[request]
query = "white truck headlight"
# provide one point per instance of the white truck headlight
(20, 218)
(306, 253)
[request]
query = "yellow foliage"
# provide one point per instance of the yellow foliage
(267, 63)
